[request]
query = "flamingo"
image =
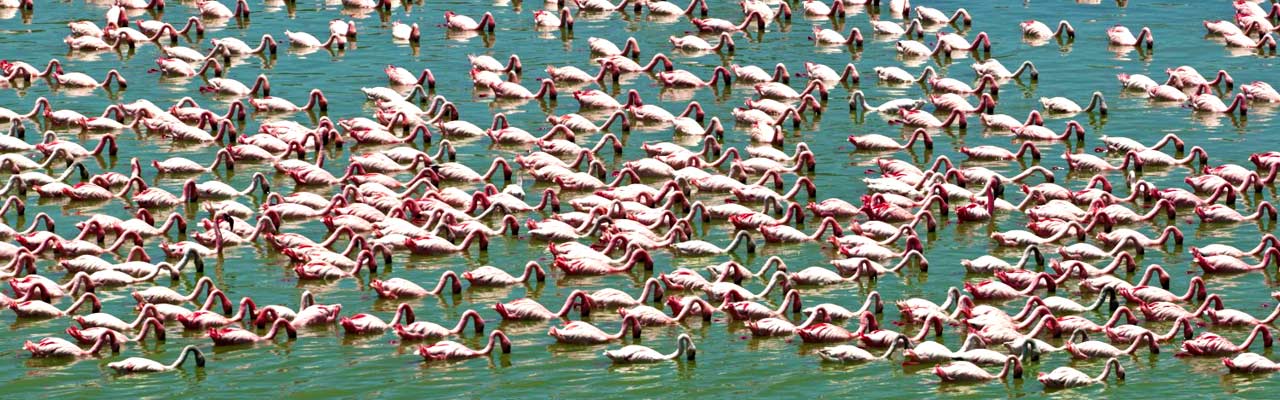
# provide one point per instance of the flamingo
(1211, 344)
(921, 118)
(492, 276)
(880, 142)
(603, 47)
(669, 8)
(80, 80)
(1038, 30)
(530, 310)
(1221, 213)
(1204, 102)
(230, 336)
(1067, 377)
(1130, 333)
(395, 288)
(369, 4)
(934, 16)
(1121, 36)
(450, 350)
(755, 74)
(582, 332)
(997, 70)
(456, 22)
(1137, 82)
(215, 9)
(1259, 91)
(1000, 153)
(315, 99)
(60, 348)
(914, 49)
(547, 19)
(988, 263)
(237, 47)
(22, 4)
(1063, 105)
(133, 365)
(306, 40)
(956, 42)
(424, 330)
(695, 43)
(716, 25)
(203, 319)
(1166, 311)
(1216, 249)
(830, 37)
(703, 248)
(851, 354)
(231, 87)
(511, 90)
(1186, 76)
(364, 324)
(641, 354)
(858, 99)
(963, 371)
(406, 32)
(1229, 264)
(1242, 40)
(1233, 317)
(1250, 363)
(1149, 294)
(40, 309)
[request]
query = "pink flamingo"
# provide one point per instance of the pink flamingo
(642, 354)
(425, 330)
(230, 336)
(783, 327)
(143, 365)
(456, 22)
(1131, 332)
(492, 276)
(395, 288)
(851, 354)
(1221, 213)
(449, 350)
(1067, 377)
(1211, 344)
(526, 309)
(364, 324)
(1121, 36)
(716, 25)
(40, 309)
(963, 371)
(582, 332)
(1038, 30)
(60, 348)
(1250, 363)
(1229, 264)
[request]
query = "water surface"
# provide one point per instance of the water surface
(324, 363)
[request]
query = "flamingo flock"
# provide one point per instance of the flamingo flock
(404, 186)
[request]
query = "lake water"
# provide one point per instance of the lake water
(325, 363)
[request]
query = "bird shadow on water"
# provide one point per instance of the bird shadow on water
(684, 368)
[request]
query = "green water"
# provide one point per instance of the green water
(325, 363)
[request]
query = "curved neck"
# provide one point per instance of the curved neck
(182, 358)
(446, 277)
(569, 302)
(79, 302)
(1096, 101)
(1108, 293)
(275, 329)
(1257, 330)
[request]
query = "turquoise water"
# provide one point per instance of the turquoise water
(322, 362)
